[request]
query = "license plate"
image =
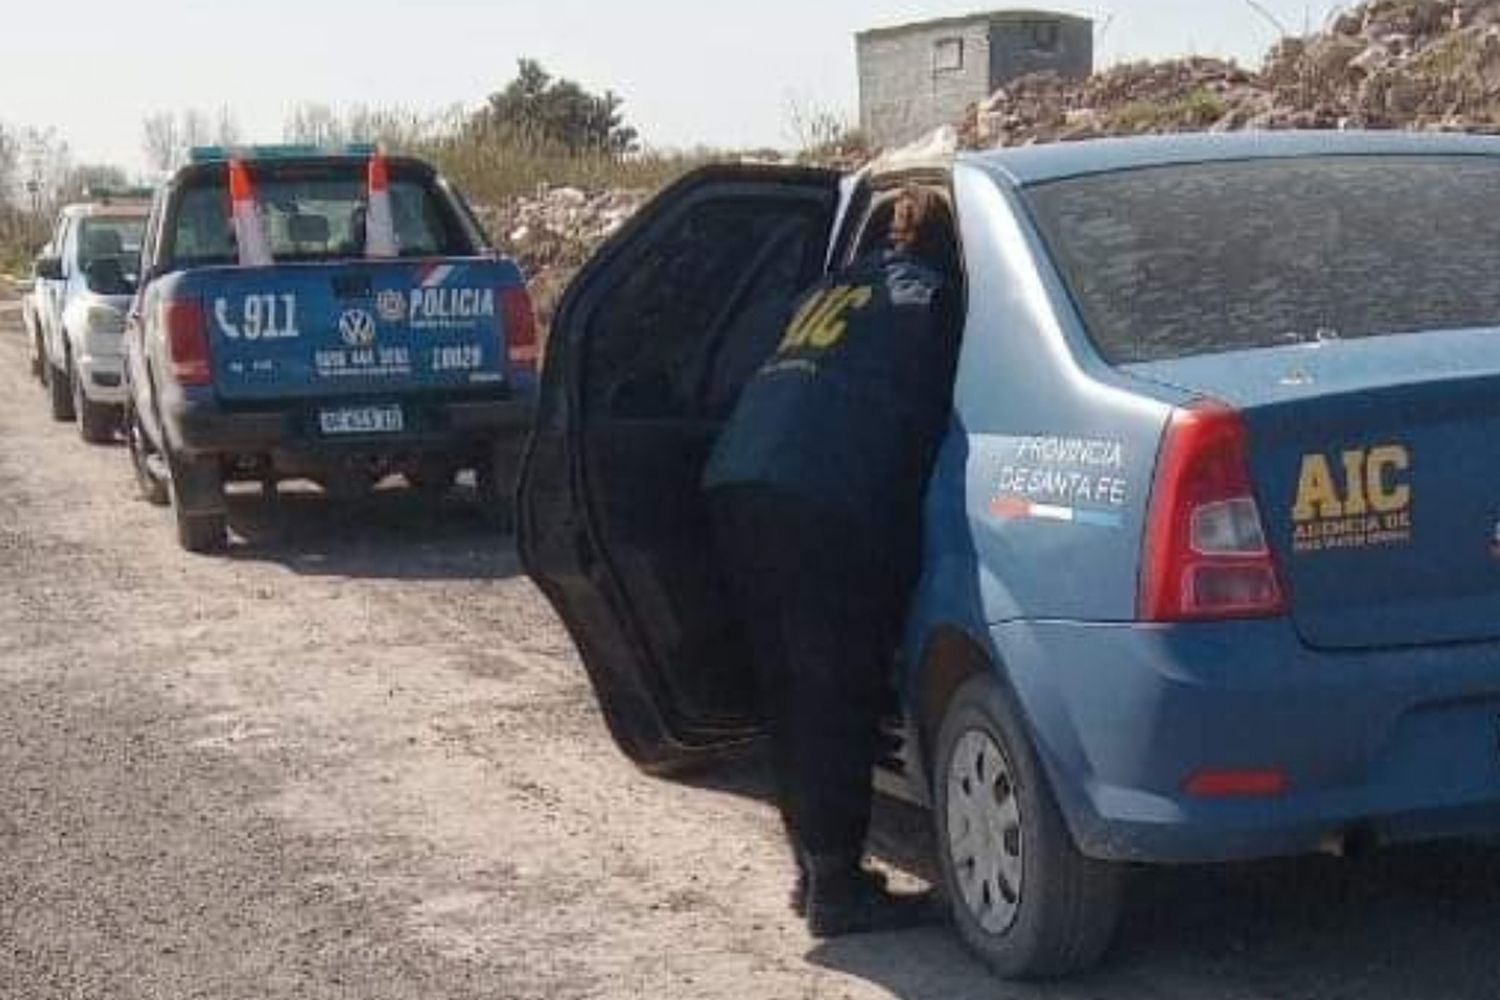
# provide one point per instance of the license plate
(362, 420)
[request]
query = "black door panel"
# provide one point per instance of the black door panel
(652, 342)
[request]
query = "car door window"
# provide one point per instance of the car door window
(647, 353)
(653, 349)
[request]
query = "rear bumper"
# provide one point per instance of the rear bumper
(102, 377)
(196, 423)
(1397, 745)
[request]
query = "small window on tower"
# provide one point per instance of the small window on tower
(948, 55)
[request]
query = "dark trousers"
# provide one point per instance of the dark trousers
(821, 608)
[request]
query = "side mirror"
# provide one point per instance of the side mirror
(49, 268)
(105, 276)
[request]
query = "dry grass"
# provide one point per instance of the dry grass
(20, 234)
(492, 168)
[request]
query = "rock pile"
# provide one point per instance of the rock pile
(553, 232)
(1429, 64)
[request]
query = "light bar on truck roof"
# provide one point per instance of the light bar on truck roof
(219, 154)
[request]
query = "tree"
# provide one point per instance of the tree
(46, 162)
(314, 124)
(167, 136)
(540, 108)
(10, 163)
(87, 177)
(159, 141)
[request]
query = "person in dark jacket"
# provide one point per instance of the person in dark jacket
(816, 489)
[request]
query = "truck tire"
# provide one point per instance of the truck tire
(197, 488)
(96, 422)
(495, 482)
(1023, 897)
(432, 478)
(59, 393)
(38, 372)
(151, 481)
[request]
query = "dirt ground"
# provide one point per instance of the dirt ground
(356, 758)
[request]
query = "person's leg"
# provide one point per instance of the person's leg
(839, 631)
(749, 539)
(821, 650)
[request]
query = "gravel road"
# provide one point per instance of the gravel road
(356, 758)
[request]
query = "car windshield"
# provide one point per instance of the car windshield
(313, 213)
(1176, 261)
(117, 236)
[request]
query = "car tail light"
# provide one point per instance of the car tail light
(519, 327)
(1205, 552)
(187, 341)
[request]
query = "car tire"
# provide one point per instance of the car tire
(198, 481)
(97, 423)
(1024, 899)
(59, 393)
(153, 484)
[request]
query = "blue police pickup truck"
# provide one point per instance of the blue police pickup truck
(331, 315)
(1212, 556)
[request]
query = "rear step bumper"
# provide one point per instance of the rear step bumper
(1377, 746)
(199, 424)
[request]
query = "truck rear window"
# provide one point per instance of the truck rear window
(312, 214)
(110, 236)
(1174, 261)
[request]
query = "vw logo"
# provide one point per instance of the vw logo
(357, 327)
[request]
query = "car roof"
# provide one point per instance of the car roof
(116, 209)
(1040, 164)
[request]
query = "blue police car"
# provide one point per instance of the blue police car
(335, 315)
(1212, 553)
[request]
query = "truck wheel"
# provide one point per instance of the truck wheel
(151, 472)
(59, 393)
(432, 478)
(1023, 897)
(96, 422)
(495, 480)
(38, 371)
(197, 487)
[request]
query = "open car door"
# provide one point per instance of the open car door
(651, 344)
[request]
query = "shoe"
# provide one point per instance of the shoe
(850, 900)
(797, 898)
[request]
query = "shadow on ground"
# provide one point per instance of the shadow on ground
(1404, 924)
(1401, 924)
(390, 534)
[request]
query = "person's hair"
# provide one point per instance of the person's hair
(928, 215)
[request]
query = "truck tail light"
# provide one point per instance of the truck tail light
(518, 328)
(1205, 553)
(187, 341)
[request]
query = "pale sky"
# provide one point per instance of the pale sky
(719, 74)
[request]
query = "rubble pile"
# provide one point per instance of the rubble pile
(551, 234)
(1425, 64)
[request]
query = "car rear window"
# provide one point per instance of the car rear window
(313, 213)
(1174, 261)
